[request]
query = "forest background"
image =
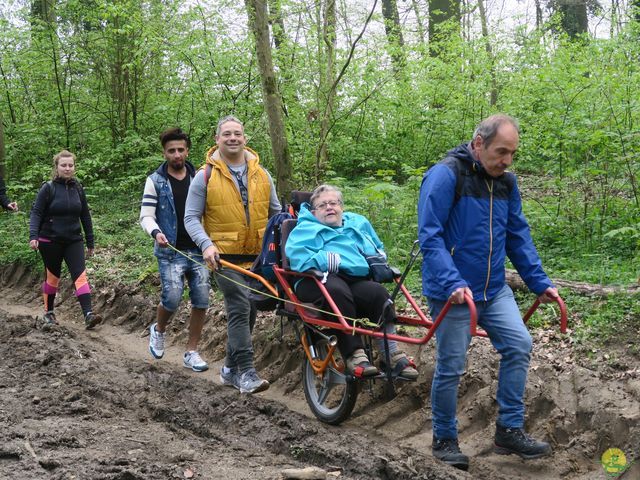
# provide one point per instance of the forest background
(365, 94)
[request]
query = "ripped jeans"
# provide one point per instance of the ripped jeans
(174, 269)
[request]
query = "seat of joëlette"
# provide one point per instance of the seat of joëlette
(297, 199)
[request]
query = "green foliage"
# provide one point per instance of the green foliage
(604, 318)
(106, 78)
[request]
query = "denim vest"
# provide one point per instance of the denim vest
(165, 214)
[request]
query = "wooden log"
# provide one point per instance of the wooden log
(590, 289)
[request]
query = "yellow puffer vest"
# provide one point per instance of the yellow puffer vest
(224, 217)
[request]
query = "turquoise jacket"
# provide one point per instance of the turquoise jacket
(310, 242)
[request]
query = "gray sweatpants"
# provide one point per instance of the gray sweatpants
(241, 317)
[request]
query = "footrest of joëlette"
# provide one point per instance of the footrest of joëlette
(380, 376)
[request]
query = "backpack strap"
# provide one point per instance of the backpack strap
(80, 188)
(51, 192)
(207, 175)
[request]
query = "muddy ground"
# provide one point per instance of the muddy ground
(94, 405)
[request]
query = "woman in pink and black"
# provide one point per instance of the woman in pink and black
(58, 216)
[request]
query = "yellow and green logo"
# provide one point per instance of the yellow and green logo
(614, 461)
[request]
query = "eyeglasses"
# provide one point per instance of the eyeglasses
(330, 203)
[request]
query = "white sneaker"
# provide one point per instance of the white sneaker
(228, 377)
(193, 361)
(156, 342)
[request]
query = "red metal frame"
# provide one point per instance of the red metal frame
(420, 320)
(338, 322)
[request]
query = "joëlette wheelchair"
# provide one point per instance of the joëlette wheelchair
(330, 391)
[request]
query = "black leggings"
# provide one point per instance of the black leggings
(355, 297)
(73, 255)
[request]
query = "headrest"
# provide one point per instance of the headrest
(298, 198)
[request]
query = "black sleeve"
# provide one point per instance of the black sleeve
(85, 218)
(4, 200)
(37, 211)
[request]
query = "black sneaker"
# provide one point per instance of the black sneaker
(448, 450)
(516, 440)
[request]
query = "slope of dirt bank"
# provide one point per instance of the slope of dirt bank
(77, 404)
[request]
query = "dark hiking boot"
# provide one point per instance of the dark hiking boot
(448, 451)
(91, 320)
(516, 440)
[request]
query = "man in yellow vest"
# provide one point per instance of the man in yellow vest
(230, 200)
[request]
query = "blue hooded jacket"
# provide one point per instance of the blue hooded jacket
(311, 240)
(468, 222)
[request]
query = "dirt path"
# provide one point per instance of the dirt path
(77, 404)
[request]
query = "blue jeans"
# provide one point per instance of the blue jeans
(501, 319)
(173, 270)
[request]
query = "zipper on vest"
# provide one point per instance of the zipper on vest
(486, 285)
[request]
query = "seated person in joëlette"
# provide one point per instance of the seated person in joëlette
(334, 242)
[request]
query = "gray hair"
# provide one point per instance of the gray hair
(323, 189)
(228, 118)
(488, 128)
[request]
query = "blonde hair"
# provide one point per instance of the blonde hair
(56, 160)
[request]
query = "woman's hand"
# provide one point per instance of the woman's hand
(89, 252)
(34, 244)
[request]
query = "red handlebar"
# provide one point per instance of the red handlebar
(474, 315)
(563, 313)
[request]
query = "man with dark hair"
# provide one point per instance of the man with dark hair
(162, 217)
(4, 200)
(469, 219)
(230, 201)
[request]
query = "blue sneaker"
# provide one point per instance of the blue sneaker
(193, 361)
(229, 377)
(250, 382)
(156, 342)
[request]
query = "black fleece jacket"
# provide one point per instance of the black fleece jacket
(58, 216)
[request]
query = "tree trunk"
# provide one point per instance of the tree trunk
(326, 90)
(516, 283)
(393, 29)
(634, 10)
(574, 19)
(492, 62)
(444, 23)
(419, 21)
(258, 24)
(44, 11)
(283, 54)
(12, 112)
(2, 167)
(538, 15)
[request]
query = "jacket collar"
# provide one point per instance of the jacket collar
(214, 158)
(465, 153)
(163, 169)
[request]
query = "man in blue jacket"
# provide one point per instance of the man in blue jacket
(469, 219)
(162, 217)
